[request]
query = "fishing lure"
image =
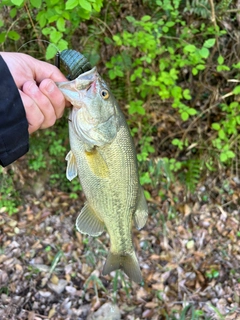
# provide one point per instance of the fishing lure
(75, 62)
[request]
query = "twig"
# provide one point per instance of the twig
(213, 18)
(34, 28)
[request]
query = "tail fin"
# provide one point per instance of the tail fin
(128, 263)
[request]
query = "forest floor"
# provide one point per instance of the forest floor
(189, 254)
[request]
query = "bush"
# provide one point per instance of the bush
(167, 63)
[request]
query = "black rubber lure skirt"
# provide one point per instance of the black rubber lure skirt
(75, 63)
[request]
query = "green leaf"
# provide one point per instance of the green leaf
(209, 43)
(236, 90)
(13, 12)
(48, 30)
(233, 105)
(165, 29)
(220, 60)
(176, 142)
(204, 52)
(184, 116)
(50, 52)
(194, 71)
(170, 24)
(1, 23)
(201, 66)
(216, 126)
(13, 35)
(223, 156)
(71, 4)
(192, 111)
(222, 68)
(17, 2)
(145, 18)
(171, 50)
(61, 24)
(41, 18)
(53, 18)
(136, 107)
(231, 154)
(55, 36)
(176, 92)
(221, 134)
(117, 39)
(130, 19)
(112, 74)
(62, 45)
(2, 37)
(85, 5)
(97, 5)
(36, 3)
(147, 194)
(237, 66)
(189, 48)
(186, 94)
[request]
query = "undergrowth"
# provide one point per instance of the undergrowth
(168, 65)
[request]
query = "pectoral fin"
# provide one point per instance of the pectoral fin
(97, 164)
(71, 171)
(88, 222)
(141, 214)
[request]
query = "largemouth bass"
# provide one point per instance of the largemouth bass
(104, 157)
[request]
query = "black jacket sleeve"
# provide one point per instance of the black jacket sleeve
(14, 137)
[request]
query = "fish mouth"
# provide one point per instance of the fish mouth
(74, 90)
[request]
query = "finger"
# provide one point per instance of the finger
(44, 104)
(34, 116)
(44, 70)
(55, 96)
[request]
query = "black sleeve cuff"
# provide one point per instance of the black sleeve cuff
(14, 137)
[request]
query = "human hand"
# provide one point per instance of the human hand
(35, 79)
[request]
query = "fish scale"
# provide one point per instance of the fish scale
(103, 156)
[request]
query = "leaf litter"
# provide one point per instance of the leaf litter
(189, 257)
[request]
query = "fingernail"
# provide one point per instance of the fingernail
(33, 88)
(50, 87)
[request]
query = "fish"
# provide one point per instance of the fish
(102, 154)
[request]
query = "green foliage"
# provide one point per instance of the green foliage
(126, 285)
(164, 171)
(228, 127)
(192, 175)
(211, 274)
(55, 19)
(153, 54)
(158, 56)
(47, 152)
(188, 313)
(161, 55)
(9, 196)
(202, 9)
(96, 282)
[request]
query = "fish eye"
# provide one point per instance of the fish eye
(105, 94)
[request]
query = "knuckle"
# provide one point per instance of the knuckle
(40, 121)
(52, 121)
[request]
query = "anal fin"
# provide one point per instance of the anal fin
(141, 214)
(88, 222)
